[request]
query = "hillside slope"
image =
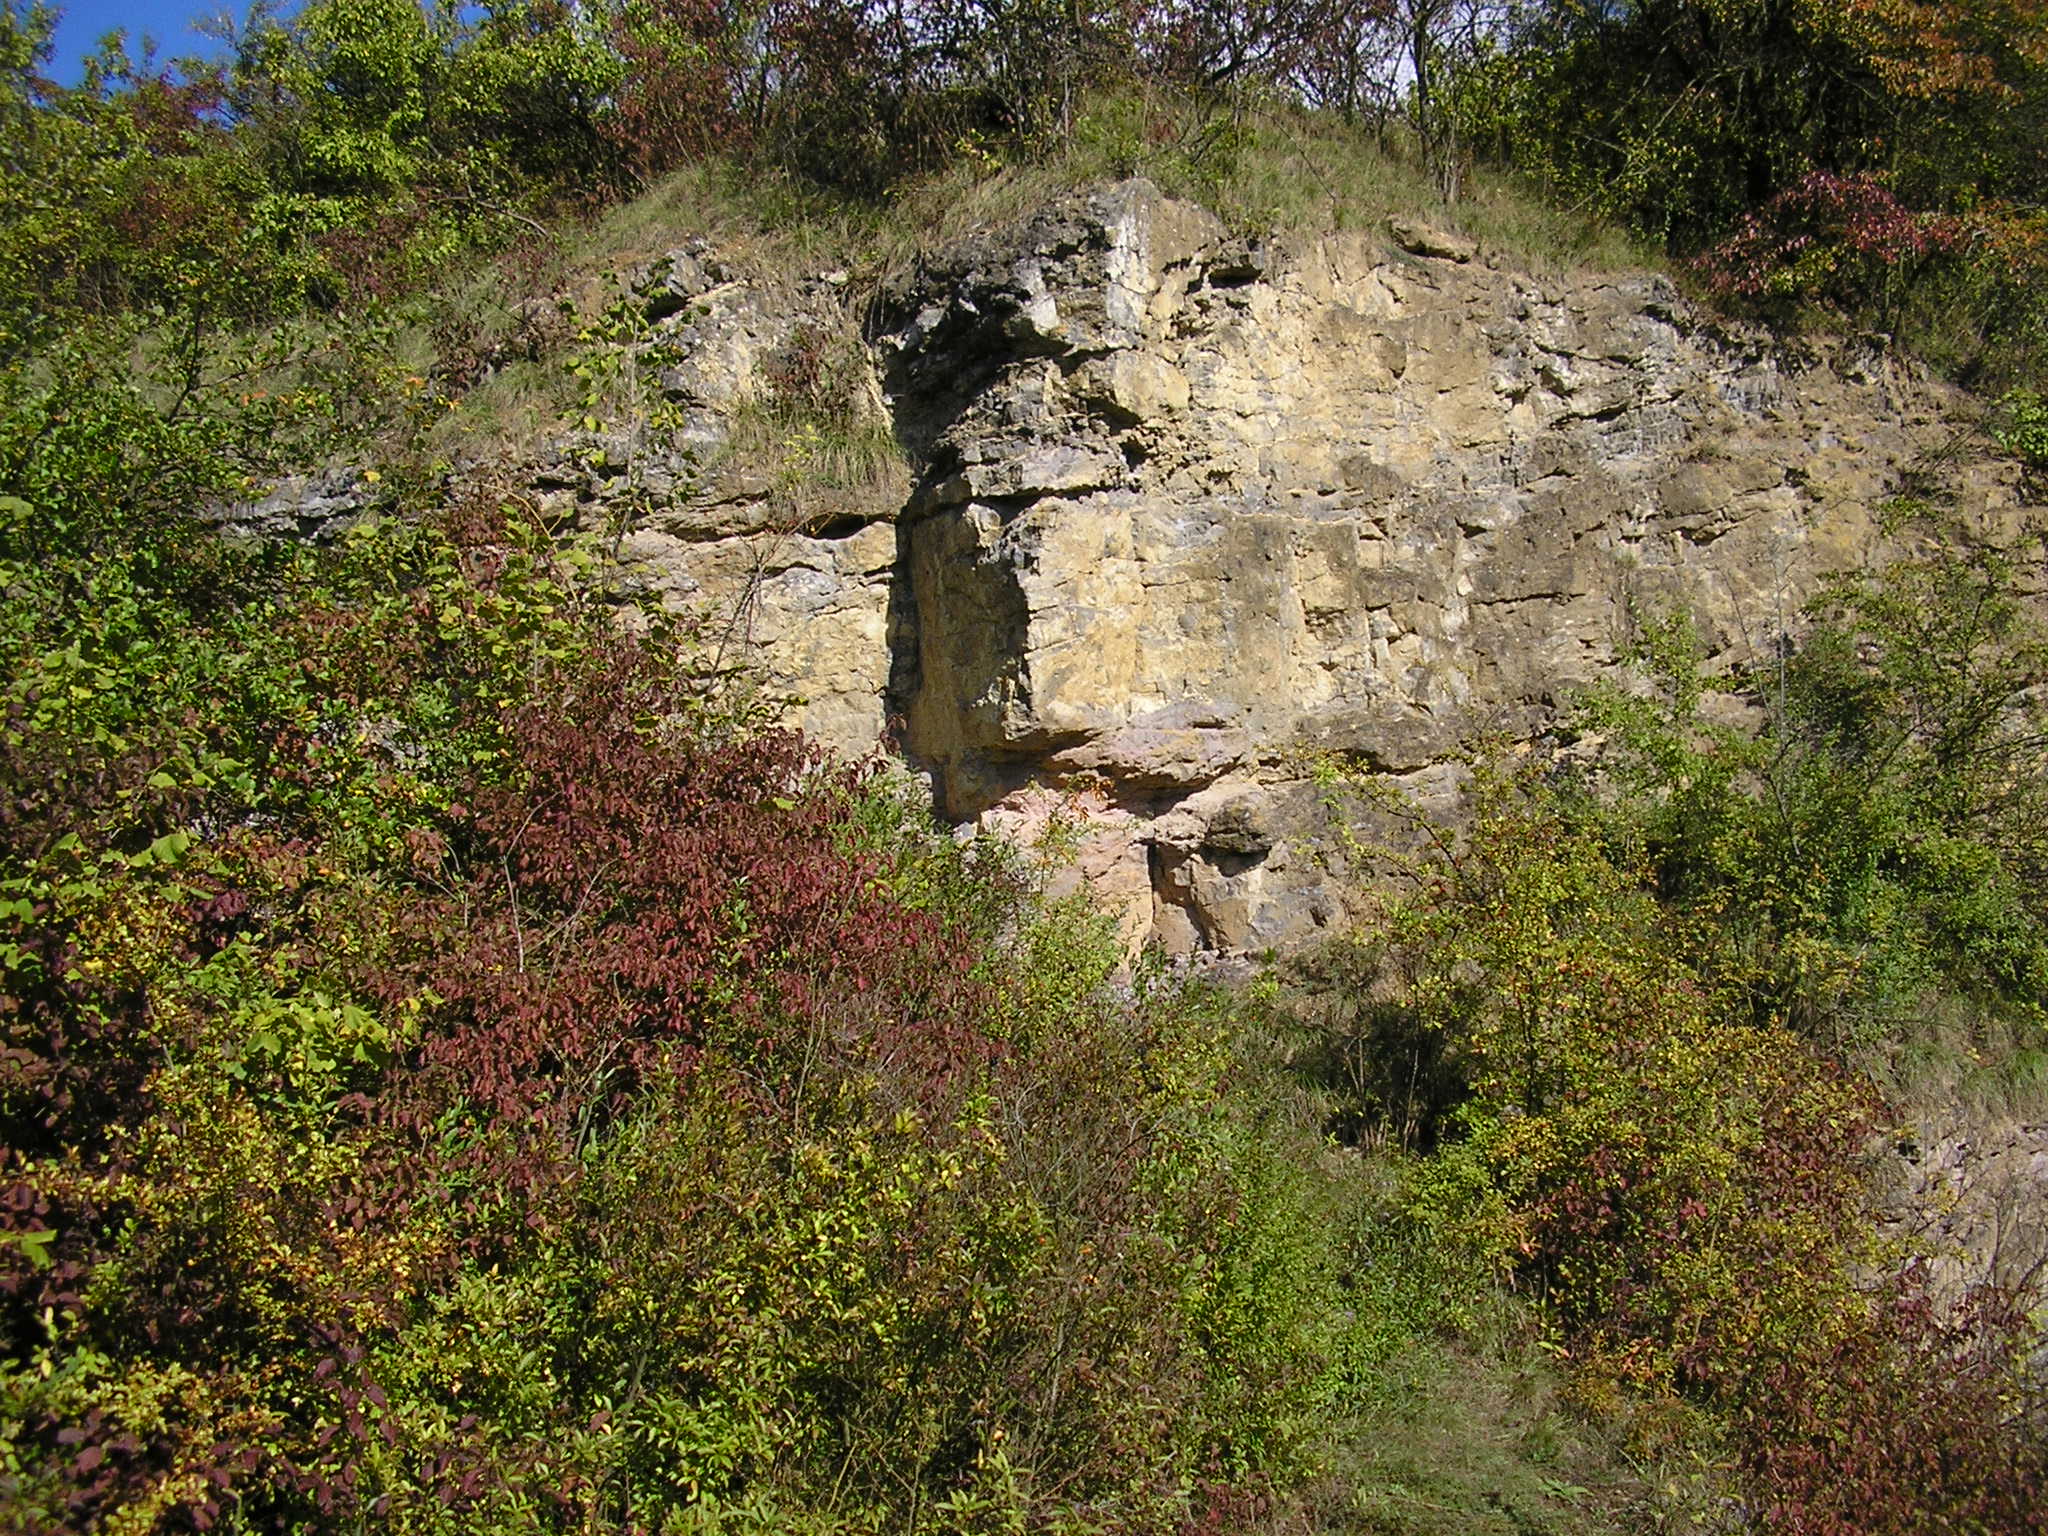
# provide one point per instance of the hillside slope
(1154, 509)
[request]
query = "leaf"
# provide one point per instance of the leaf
(34, 1245)
(167, 849)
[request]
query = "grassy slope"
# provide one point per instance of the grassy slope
(1271, 171)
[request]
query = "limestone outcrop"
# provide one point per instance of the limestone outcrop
(1189, 508)
(1183, 509)
(789, 575)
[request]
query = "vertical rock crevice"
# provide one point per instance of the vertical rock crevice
(1193, 509)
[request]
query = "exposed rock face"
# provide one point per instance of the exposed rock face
(317, 508)
(1189, 508)
(1971, 1190)
(790, 579)
(1186, 508)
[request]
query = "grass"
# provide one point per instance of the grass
(1446, 1417)
(1452, 1443)
(520, 404)
(1265, 169)
(1452, 1419)
(850, 453)
(1956, 1053)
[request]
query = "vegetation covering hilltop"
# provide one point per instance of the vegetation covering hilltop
(461, 1069)
(1878, 155)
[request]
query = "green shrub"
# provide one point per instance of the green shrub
(457, 1076)
(1680, 1184)
(2023, 427)
(1881, 839)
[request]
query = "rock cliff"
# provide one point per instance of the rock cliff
(1188, 507)
(1182, 509)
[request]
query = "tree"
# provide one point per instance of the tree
(1681, 115)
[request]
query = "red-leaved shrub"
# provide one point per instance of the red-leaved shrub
(1844, 241)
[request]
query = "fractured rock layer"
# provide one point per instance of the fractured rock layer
(1190, 509)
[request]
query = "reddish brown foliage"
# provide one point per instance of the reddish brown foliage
(677, 101)
(1827, 238)
(1915, 1422)
(635, 893)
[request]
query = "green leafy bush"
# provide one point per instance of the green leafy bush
(1881, 838)
(1678, 1179)
(2023, 429)
(458, 1075)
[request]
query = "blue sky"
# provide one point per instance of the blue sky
(85, 22)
